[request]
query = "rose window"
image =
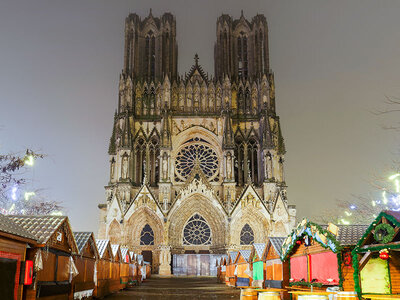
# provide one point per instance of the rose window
(196, 152)
(197, 231)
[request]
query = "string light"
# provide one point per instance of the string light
(28, 195)
(345, 222)
(29, 160)
(14, 193)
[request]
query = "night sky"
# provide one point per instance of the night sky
(334, 63)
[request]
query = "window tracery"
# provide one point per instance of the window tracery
(147, 236)
(196, 151)
(246, 235)
(197, 231)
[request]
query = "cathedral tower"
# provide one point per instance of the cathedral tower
(196, 163)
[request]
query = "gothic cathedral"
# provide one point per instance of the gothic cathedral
(196, 161)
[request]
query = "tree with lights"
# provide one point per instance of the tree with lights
(13, 198)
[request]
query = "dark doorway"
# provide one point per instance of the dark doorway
(8, 268)
(148, 256)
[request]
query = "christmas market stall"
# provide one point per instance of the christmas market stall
(126, 261)
(14, 241)
(258, 264)
(103, 268)
(54, 267)
(243, 268)
(133, 269)
(222, 269)
(115, 282)
(230, 269)
(320, 256)
(376, 258)
(85, 260)
(276, 271)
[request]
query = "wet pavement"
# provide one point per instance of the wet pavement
(178, 288)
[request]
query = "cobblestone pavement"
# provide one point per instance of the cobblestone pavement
(178, 288)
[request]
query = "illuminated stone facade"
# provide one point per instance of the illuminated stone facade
(196, 163)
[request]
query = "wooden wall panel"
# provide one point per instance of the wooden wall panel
(394, 265)
(63, 268)
(49, 263)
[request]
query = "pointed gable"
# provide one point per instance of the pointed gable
(232, 257)
(257, 251)
(86, 244)
(104, 247)
(125, 255)
(116, 252)
(243, 256)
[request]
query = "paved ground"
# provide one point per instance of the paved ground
(178, 288)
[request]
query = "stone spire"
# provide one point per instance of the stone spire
(165, 131)
(112, 148)
(228, 142)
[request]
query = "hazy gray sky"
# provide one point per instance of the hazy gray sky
(334, 61)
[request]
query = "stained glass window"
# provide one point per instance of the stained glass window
(147, 236)
(246, 235)
(196, 152)
(197, 231)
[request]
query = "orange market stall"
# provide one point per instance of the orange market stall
(230, 269)
(376, 258)
(103, 268)
(85, 260)
(126, 261)
(243, 268)
(115, 282)
(276, 272)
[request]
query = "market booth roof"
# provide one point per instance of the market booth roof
(376, 258)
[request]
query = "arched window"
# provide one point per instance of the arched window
(252, 148)
(147, 236)
(140, 156)
(246, 235)
(242, 55)
(239, 166)
(154, 151)
(150, 54)
(197, 231)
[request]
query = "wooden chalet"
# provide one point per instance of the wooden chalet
(243, 268)
(54, 266)
(230, 269)
(321, 255)
(84, 284)
(258, 264)
(14, 240)
(126, 261)
(376, 258)
(133, 269)
(222, 269)
(104, 266)
(276, 272)
(115, 281)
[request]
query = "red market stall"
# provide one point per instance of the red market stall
(320, 256)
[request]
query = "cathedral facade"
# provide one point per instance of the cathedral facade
(196, 161)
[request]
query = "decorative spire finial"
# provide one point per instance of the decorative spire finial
(196, 59)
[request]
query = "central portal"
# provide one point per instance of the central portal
(195, 264)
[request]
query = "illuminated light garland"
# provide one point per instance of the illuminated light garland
(29, 160)
(385, 200)
(14, 193)
(345, 222)
(57, 213)
(11, 208)
(28, 195)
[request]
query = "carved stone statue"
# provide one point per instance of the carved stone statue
(269, 167)
(112, 168)
(124, 167)
(229, 166)
(165, 167)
